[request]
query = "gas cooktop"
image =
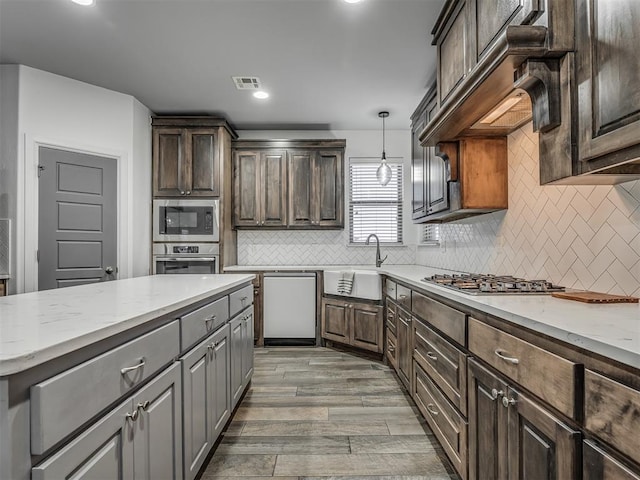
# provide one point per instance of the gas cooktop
(481, 284)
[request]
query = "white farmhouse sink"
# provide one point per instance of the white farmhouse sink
(366, 284)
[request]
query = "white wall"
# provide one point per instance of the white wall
(317, 247)
(583, 237)
(59, 111)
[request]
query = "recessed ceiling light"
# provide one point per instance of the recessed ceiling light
(261, 95)
(84, 3)
(353, 1)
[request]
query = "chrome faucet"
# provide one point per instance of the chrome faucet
(378, 259)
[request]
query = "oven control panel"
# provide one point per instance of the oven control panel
(186, 249)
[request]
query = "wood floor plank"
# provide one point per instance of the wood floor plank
(317, 401)
(314, 428)
(319, 445)
(372, 413)
(393, 444)
(387, 401)
(273, 390)
(240, 466)
(282, 413)
(363, 464)
(408, 427)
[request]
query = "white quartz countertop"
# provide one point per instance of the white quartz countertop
(39, 326)
(610, 330)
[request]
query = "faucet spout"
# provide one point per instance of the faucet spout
(379, 260)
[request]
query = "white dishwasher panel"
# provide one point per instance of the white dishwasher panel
(289, 305)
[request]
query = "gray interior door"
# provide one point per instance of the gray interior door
(77, 229)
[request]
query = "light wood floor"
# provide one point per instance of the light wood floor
(319, 413)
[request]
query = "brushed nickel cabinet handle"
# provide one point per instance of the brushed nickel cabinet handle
(143, 406)
(392, 349)
(188, 192)
(432, 410)
(502, 354)
(402, 297)
(210, 318)
(432, 356)
(508, 401)
(211, 346)
(133, 416)
(141, 362)
(495, 393)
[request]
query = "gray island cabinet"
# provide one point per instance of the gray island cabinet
(128, 379)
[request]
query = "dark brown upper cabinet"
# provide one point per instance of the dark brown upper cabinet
(608, 75)
(428, 171)
(260, 195)
(315, 188)
(187, 155)
(297, 184)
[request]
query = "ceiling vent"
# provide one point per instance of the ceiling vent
(247, 83)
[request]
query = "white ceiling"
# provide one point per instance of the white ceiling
(326, 63)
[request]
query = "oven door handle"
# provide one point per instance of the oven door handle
(185, 259)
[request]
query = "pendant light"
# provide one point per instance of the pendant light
(383, 174)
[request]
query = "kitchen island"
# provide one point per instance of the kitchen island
(87, 372)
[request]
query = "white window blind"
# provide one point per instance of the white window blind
(372, 207)
(430, 234)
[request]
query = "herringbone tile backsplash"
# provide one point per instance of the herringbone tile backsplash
(584, 237)
(312, 248)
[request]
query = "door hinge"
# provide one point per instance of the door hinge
(37, 255)
(40, 170)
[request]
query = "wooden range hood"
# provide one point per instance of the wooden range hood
(543, 49)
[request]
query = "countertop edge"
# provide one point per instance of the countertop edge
(14, 365)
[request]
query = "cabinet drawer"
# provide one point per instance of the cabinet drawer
(391, 319)
(599, 465)
(96, 384)
(445, 364)
(448, 320)
(550, 377)
(240, 300)
(611, 413)
(392, 349)
(390, 289)
(403, 296)
(447, 424)
(197, 324)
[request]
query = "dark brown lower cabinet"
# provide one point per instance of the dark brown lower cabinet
(512, 436)
(353, 323)
(599, 465)
(404, 347)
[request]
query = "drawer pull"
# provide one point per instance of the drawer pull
(392, 349)
(132, 416)
(508, 401)
(211, 346)
(242, 299)
(432, 356)
(402, 297)
(143, 406)
(495, 393)
(141, 362)
(432, 410)
(501, 353)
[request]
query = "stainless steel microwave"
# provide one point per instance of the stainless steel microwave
(186, 220)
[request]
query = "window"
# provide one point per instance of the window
(372, 207)
(430, 234)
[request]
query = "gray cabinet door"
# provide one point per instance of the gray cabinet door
(103, 451)
(157, 439)
(608, 76)
(235, 344)
(220, 372)
(198, 409)
(247, 346)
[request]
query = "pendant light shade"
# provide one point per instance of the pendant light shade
(383, 174)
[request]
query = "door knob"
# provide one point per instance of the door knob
(108, 270)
